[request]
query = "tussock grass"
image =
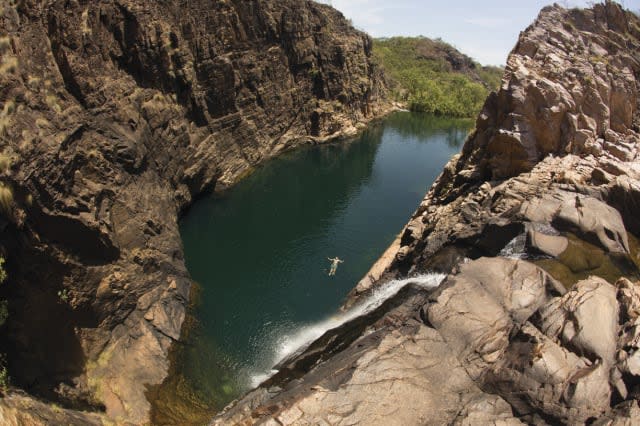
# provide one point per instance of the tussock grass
(6, 199)
(9, 107)
(5, 162)
(5, 43)
(52, 101)
(86, 30)
(9, 65)
(5, 123)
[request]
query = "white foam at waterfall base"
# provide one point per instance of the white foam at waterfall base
(299, 339)
(516, 248)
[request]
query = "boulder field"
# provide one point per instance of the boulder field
(536, 224)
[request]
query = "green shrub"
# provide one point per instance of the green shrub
(422, 77)
(63, 295)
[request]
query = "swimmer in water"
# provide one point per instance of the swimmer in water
(334, 265)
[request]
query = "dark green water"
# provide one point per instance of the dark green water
(260, 250)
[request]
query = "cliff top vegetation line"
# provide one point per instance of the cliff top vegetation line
(432, 76)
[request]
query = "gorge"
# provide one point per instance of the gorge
(284, 221)
(116, 118)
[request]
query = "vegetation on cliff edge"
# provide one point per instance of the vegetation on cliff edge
(432, 76)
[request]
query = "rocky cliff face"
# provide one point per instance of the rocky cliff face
(115, 116)
(536, 224)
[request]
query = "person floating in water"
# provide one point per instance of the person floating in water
(334, 265)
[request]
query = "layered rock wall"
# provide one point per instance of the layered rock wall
(115, 116)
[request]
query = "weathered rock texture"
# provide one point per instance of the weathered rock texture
(555, 147)
(115, 115)
(542, 327)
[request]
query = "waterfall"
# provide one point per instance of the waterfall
(297, 340)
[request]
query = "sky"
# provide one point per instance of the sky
(486, 30)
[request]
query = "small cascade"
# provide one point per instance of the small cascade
(296, 341)
(516, 248)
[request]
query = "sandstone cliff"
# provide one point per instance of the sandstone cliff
(536, 224)
(115, 116)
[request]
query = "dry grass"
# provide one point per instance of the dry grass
(5, 123)
(52, 101)
(26, 140)
(86, 30)
(5, 162)
(94, 154)
(158, 102)
(9, 65)
(43, 127)
(9, 107)
(42, 123)
(598, 59)
(6, 199)
(5, 119)
(5, 43)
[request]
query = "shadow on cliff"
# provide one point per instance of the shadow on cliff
(40, 337)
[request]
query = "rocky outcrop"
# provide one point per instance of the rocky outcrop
(399, 372)
(536, 224)
(545, 154)
(116, 115)
(499, 342)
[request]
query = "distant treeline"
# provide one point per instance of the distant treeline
(432, 76)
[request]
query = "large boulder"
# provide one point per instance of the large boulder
(587, 216)
(585, 319)
(479, 308)
(400, 372)
(518, 335)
